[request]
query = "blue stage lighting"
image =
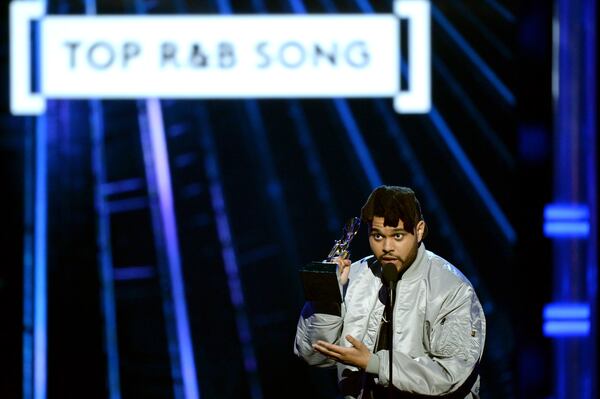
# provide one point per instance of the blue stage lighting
(566, 221)
(566, 320)
(579, 328)
(566, 311)
(566, 212)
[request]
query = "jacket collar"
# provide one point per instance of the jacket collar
(415, 270)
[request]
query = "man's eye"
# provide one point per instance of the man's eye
(398, 236)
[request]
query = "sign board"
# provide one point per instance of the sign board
(217, 56)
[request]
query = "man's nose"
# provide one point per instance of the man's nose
(387, 245)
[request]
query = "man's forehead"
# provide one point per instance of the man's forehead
(379, 223)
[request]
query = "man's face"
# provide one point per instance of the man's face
(394, 244)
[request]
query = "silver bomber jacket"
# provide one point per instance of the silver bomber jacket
(439, 329)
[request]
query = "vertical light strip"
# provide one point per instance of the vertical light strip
(575, 182)
(169, 224)
(40, 319)
(105, 260)
(28, 259)
(34, 255)
(590, 71)
(160, 248)
(230, 261)
(180, 348)
(236, 292)
(555, 54)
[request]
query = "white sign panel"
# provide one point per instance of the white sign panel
(208, 57)
(265, 56)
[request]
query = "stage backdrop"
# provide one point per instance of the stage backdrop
(175, 226)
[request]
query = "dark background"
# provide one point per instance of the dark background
(291, 177)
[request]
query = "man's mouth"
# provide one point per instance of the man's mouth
(388, 259)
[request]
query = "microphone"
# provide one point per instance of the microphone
(390, 276)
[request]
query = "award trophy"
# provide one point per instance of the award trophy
(320, 279)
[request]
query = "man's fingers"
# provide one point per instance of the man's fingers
(326, 351)
(342, 263)
(356, 343)
(351, 339)
(355, 356)
(343, 269)
(344, 275)
(329, 347)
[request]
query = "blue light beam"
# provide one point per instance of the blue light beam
(472, 55)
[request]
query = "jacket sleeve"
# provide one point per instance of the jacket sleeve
(456, 344)
(318, 321)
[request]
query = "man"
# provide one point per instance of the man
(438, 323)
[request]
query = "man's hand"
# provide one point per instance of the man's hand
(343, 269)
(358, 355)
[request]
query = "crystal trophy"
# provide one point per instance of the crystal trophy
(320, 279)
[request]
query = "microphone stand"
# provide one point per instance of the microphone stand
(390, 275)
(392, 288)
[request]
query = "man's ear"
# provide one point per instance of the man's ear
(420, 230)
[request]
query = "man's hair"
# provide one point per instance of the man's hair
(393, 203)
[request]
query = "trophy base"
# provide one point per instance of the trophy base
(320, 282)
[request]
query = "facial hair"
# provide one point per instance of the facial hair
(406, 262)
